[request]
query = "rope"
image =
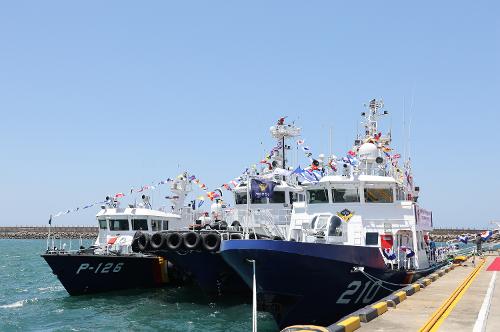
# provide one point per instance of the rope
(383, 281)
(379, 283)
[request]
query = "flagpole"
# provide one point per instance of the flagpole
(249, 183)
(48, 237)
(254, 300)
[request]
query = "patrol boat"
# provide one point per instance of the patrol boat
(196, 252)
(111, 263)
(358, 235)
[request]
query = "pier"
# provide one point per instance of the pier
(459, 297)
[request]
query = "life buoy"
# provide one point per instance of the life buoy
(191, 240)
(158, 241)
(211, 241)
(143, 242)
(174, 241)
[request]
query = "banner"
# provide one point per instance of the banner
(262, 188)
(423, 217)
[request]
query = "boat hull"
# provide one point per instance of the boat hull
(88, 273)
(312, 283)
(209, 271)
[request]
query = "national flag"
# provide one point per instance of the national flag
(389, 254)
(300, 142)
(351, 153)
(486, 235)
(408, 251)
(119, 195)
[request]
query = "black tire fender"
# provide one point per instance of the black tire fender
(174, 241)
(191, 240)
(158, 241)
(144, 242)
(236, 236)
(211, 241)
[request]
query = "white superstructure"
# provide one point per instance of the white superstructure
(118, 225)
(369, 202)
(269, 216)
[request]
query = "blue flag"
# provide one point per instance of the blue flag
(262, 188)
(463, 238)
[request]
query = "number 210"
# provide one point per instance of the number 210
(366, 295)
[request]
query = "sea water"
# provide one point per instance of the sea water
(33, 299)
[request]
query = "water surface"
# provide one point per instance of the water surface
(32, 299)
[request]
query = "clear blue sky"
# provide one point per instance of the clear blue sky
(98, 96)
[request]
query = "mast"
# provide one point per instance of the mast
(281, 132)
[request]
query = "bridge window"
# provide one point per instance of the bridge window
(165, 225)
(296, 197)
(118, 225)
(278, 197)
(345, 195)
(240, 198)
(317, 196)
(139, 224)
(378, 195)
(261, 200)
(371, 238)
(155, 225)
(103, 224)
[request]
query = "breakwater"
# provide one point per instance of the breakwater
(37, 232)
(88, 232)
(449, 234)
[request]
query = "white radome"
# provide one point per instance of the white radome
(368, 151)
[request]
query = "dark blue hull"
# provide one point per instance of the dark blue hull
(209, 271)
(312, 283)
(88, 273)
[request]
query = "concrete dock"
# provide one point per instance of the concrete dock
(462, 311)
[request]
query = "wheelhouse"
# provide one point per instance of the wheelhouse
(114, 222)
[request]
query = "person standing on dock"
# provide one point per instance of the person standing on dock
(479, 243)
(432, 248)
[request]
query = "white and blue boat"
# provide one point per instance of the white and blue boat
(355, 236)
(196, 252)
